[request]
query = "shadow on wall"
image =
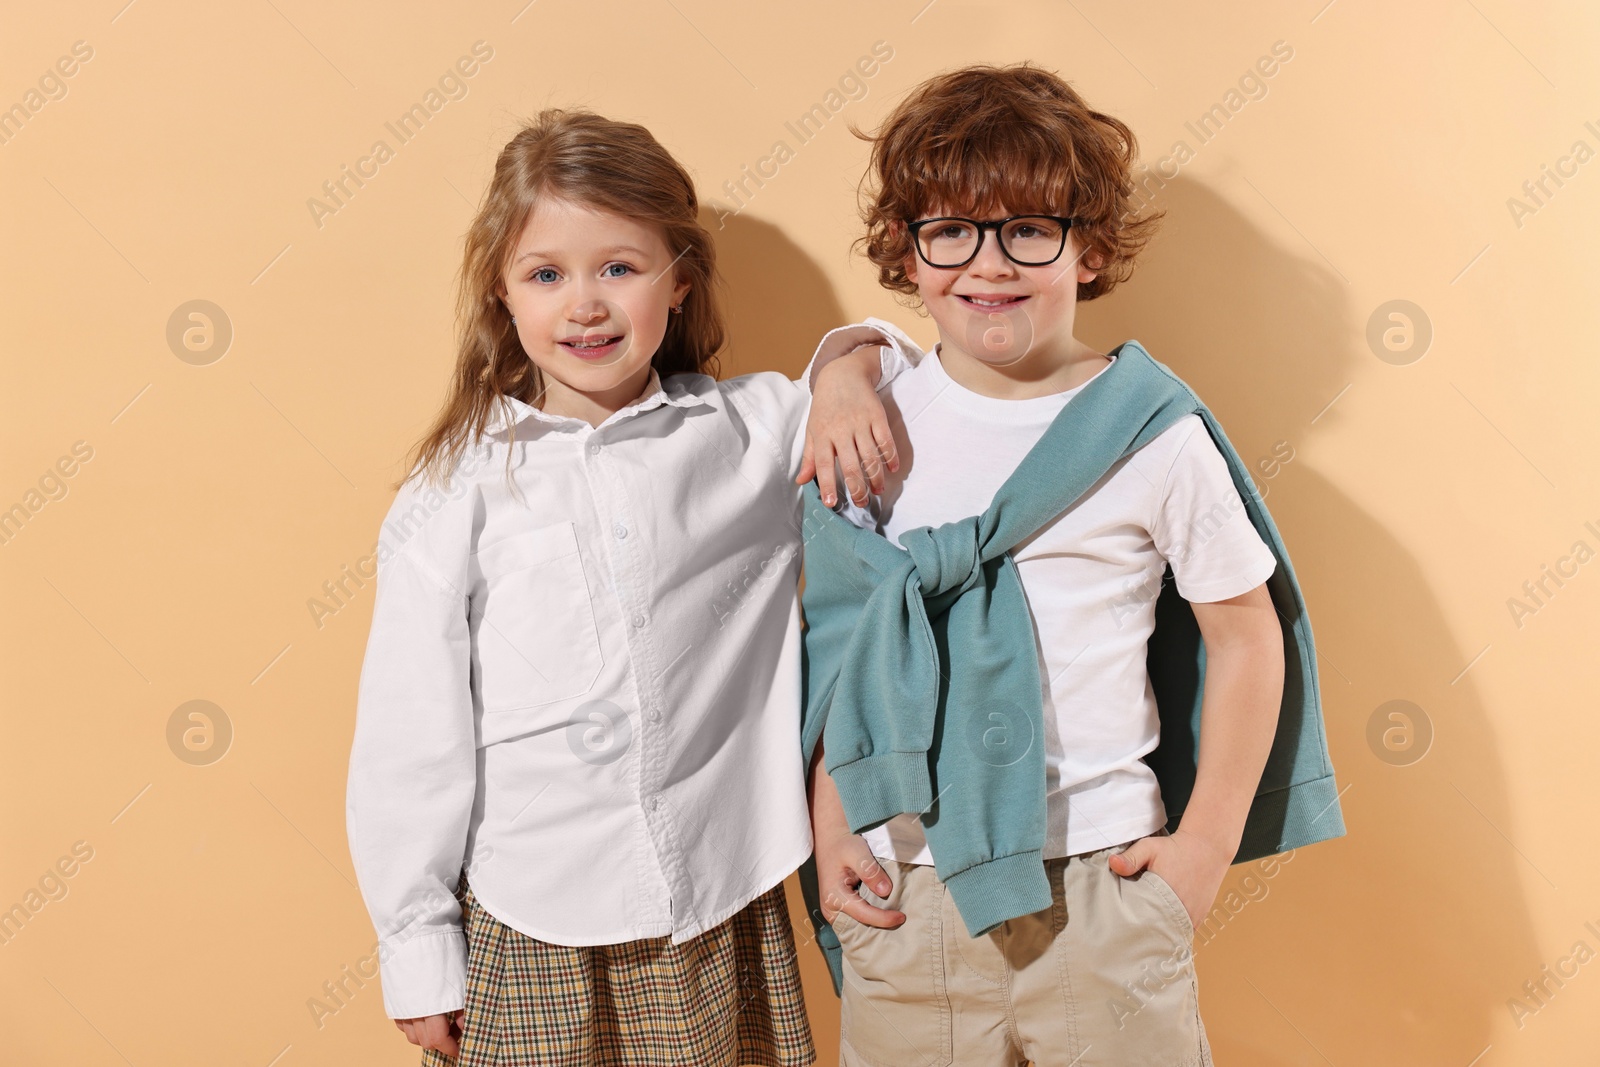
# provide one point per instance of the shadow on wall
(1402, 941)
(777, 300)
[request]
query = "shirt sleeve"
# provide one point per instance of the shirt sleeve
(900, 354)
(413, 775)
(1201, 526)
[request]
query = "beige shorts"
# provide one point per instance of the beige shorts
(1105, 976)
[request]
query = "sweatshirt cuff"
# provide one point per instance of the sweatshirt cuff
(874, 789)
(426, 975)
(989, 893)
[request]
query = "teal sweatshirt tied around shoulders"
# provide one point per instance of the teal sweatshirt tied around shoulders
(922, 675)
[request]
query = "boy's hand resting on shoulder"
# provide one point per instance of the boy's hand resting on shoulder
(436, 1032)
(847, 422)
(1191, 865)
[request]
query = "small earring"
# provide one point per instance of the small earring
(513, 320)
(677, 309)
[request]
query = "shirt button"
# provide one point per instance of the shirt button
(594, 448)
(620, 530)
(655, 802)
(655, 714)
(638, 620)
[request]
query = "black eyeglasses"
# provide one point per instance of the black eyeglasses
(950, 241)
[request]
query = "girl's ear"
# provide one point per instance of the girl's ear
(679, 291)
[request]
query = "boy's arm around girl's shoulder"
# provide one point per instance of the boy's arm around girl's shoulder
(777, 400)
(413, 770)
(897, 351)
(782, 412)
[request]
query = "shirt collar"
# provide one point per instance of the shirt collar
(509, 411)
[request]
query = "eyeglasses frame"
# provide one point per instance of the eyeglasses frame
(915, 229)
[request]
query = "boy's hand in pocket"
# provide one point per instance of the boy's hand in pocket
(844, 862)
(1191, 865)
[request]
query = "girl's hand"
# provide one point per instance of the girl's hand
(1191, 865)
(848, 424)
(436, 1032)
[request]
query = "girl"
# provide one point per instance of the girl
(582, 688)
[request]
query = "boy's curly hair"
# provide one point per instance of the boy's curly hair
(986, 139)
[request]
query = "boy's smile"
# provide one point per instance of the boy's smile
(991, 300)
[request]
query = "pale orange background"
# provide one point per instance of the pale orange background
(219, 498)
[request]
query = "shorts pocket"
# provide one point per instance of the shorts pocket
(1129, 976)
(534, 635)
(846, 927)
(1180, 914)
(894, 1009)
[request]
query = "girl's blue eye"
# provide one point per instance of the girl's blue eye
(547, 275)
(617, 266)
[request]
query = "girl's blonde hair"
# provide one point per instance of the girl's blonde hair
(583, 158)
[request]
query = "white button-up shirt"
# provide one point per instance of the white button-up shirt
(587, 692)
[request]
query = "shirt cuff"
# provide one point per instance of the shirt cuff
(426, 975)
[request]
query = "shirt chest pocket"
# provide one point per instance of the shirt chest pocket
(534, 634)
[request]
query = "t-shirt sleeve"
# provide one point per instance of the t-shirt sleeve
(1201, 526)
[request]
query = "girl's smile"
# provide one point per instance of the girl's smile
(595, 347)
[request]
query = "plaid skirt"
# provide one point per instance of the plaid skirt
(727, 998)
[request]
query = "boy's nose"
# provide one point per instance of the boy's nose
(990, 261)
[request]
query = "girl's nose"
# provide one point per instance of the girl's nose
(589, 311)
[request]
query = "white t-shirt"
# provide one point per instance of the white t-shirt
(1091, 577)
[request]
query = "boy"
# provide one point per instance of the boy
(1062, 932)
